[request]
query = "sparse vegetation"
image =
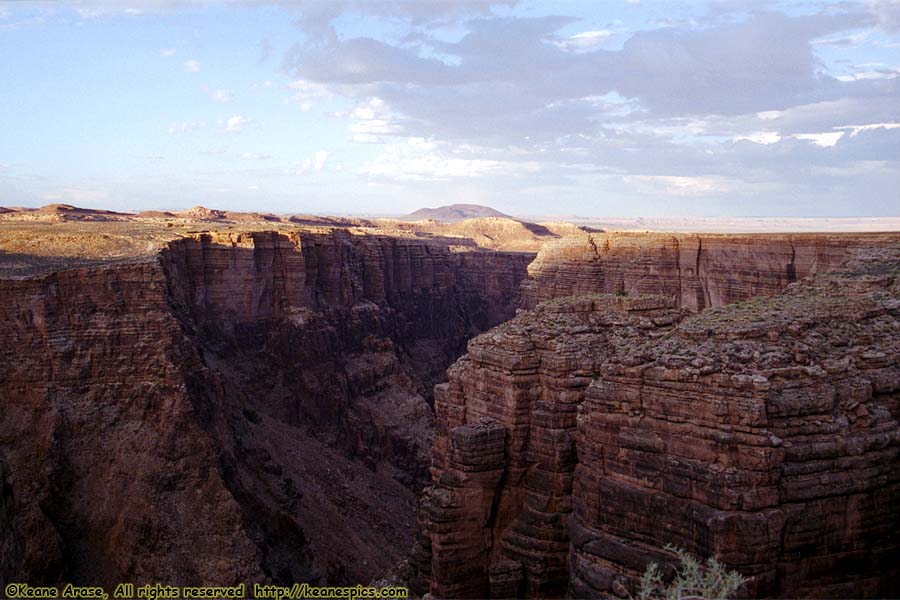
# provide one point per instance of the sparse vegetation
(693, 580)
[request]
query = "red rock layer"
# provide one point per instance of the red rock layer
(100, 437)
(371, 321)
(247, 408)
(698, 271)
(764, 432)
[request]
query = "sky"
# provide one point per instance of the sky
(614, 108)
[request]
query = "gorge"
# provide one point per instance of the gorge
(259, 402)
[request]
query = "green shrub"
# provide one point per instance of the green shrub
(693, 580)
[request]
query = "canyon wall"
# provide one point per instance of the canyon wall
(101, 438)
(699, 271)
(248, 407)
(574, 442)
(255, 407)
(341, 333)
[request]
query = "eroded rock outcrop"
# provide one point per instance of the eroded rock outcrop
(248, 407)
(764, 432)
(697, 270)
(345, 334)
(100, 434)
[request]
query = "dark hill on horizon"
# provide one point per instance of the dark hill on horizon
(455, 212)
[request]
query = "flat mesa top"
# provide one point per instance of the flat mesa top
(35, 241)
(55, 237)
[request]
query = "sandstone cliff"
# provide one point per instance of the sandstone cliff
(247, 407)
(575, 441)
(698, 271)
(254, 406)
(344, 334)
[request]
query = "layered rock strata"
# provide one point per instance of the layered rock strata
(345, 334)
(764, 432)
(248, 407)
(698, 271)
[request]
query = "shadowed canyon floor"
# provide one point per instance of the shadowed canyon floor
(212, 397)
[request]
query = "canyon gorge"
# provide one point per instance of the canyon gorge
(492, 409)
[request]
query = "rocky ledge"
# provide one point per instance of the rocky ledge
(574, 442)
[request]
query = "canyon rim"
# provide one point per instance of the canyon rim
(485, 409)
(449, 299)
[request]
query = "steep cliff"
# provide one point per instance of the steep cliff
(342, 334)
(247, 407)
(698, 271)
(254, 406)
(100, 434)
(575, 441)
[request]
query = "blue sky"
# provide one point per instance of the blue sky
(597, 108)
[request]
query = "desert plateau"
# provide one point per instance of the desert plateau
(488, 408)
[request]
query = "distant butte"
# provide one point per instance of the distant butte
(455, 212)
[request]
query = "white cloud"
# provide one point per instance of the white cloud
(234, 124)
(679, 185)
(167, 52)
(365, 138)
(363, 112)
(770, 115)
(761, 137)
(192, 66)
(422, 160)
(852, 40)
(855, 169)
(891, 73)
(855, 129)
(374, 126)
(255, 156)
(316, 163)
(186, 127)
(824, 140)
(371, 121)
(319, 160)
(307, 93)
(586, 40)
(222, 95)
(887, 12)
(100, 11)
(722, 97)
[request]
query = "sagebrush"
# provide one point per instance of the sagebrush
(693, 580)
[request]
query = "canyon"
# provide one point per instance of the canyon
(503, 409)
(576, 441)
(220, 412)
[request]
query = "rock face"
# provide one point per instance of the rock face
(248, 407)
(699, 271)
(372, 321)
(100, 433)
(255, 407)
(764, 432)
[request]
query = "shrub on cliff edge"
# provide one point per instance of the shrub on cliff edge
(693, 580)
